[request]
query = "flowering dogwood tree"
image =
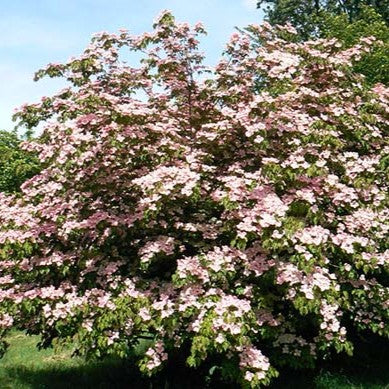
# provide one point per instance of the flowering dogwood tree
(235, 214)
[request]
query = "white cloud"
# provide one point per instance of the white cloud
(250, 4)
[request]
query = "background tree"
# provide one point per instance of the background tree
(374, 65)
(303, 14)
(300, 13)
(347, 21)
(16, 165)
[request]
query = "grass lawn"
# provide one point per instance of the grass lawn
(25, 367)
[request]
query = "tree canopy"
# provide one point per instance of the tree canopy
(16, 165)
(348, 21)
(235, 217)
(303, 14)
(374, 65)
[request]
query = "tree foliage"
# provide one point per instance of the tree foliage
(234, 216)
(333, 20)
(16, 165)
(303, 14)
(374, 65)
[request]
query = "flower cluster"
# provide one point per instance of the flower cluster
(155, 356)
(254, 363)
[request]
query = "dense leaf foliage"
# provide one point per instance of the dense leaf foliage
(236, 215)
(304, 14)
(16, 165)
(374, 65)
(345, 21)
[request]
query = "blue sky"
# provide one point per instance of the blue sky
(36, 32)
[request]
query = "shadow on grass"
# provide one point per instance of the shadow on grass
(96, 375)
(100, 375)
(368, 369)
